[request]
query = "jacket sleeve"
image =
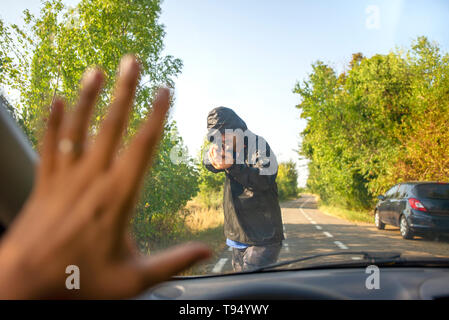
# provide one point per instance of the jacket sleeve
(256, 176)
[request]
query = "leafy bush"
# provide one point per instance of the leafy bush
(287, 180)
(159, 212)
(47, 58)
(381, 122)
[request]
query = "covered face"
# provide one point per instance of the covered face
(226, 128)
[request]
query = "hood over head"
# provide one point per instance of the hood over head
(222, 118)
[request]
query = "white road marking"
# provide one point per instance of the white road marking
(340, 245)
(304, 203)
(285, 232)
(285, 245)
(219, 266)
(302, 211)
(356, 258)
(327, 234)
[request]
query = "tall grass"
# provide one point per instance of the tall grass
(203, 217)
(350, 215)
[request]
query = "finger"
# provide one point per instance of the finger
(49, 147)
(215, 155)
(113, 126)
(213, 161)
(209, 153)
(134, 162)
(211, 157)
(74, 130)
(162, 266)
(218, 165)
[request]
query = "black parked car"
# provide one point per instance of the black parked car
(417, 208)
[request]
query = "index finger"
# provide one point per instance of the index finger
(132, 165)
(113, 126)
(216, 159)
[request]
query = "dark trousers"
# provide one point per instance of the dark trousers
(255, 256)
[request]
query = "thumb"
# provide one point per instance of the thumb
(162, 266)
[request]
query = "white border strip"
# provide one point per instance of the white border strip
(341, 245)
(219, 266)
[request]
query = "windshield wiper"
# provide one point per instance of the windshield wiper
(371, 257)
(379, 258)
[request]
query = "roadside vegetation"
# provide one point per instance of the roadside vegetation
(46, 56)
(287, 181)
(381, 121)
(347, 214)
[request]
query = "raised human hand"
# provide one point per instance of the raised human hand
(82, 201)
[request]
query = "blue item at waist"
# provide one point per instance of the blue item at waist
(236, 244)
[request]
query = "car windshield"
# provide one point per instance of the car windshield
(290, 121)
(433, 191)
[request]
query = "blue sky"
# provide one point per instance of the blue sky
(248, 54)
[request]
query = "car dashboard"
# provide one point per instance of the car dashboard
(395, 283)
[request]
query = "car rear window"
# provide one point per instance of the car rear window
(433, 191)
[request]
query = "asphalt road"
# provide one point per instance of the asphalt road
(309, 231)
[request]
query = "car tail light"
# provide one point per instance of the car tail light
(416, 204)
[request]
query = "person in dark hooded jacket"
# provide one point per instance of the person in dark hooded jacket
(252, 216)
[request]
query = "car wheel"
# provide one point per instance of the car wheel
(406, 233)
(379, 224)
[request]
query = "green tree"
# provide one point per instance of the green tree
(47, 57)
(426, 135)
(382, 121)
(287, 180)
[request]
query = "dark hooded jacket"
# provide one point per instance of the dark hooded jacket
(251, 208)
